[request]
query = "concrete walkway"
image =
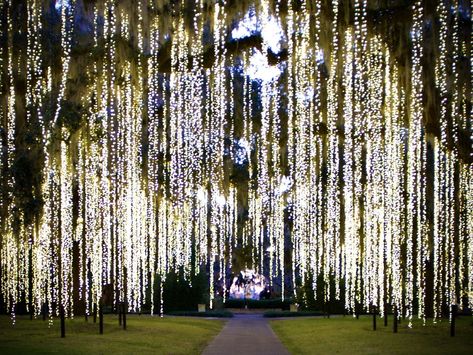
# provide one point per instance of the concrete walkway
(246, 334)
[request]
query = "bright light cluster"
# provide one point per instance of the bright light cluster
(336, 192)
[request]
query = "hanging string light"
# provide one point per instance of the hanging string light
(217, 122)
(374, 200)
(331, 231)
(145, 185)
(394, 185)
(416, 235)
(10, 251)
(351, 232)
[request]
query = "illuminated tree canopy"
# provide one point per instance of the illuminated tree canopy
(327, 143)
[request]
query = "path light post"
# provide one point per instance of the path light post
(395, 319)
(120, 313)
(63, 322)
(374, 316)
(101, 317)
(124, 315)
(385, 315)
(453, 315)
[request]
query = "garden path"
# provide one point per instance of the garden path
(246, 334)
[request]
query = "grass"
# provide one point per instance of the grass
(346, 335)
(144, 334)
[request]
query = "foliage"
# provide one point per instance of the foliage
(180, 294)
(242, 257)
(278, 314)
(259, 304)
(312, 300)
(213, 314)
(26, 171)
(70, 116)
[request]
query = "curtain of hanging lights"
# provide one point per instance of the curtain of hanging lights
(336, 157)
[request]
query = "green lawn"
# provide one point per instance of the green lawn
(144, 334)
(346, 335)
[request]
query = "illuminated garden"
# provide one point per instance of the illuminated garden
(197, 167)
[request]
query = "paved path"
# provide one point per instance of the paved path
(246, 334)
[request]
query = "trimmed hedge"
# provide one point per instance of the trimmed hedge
(277, 314)
(259, 304)
(216, 314)
(180, 294)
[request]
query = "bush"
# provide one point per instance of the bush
(216, 314)
(180, 294)
(278, 314)
(259, 304)
(309, 299)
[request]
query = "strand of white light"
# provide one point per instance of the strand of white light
(351, 239)
(299, 134)
(394, 191)
(440, 146)
(469, 213)
(66, 229)
(361, 104)
(462, 122)
(469, 182)
(373, 261)
(153, 157)
(10, 251)
(263, 183)
(292, 197)
(454, 261)
(218, 92)
(250, 236)
(107, 116)
(415, 263)
(35, 87)
(67, 24)
(329, 239)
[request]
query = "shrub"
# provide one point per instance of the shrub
(180, 294)
(216, 314)
(278, 314)
(259, 304)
